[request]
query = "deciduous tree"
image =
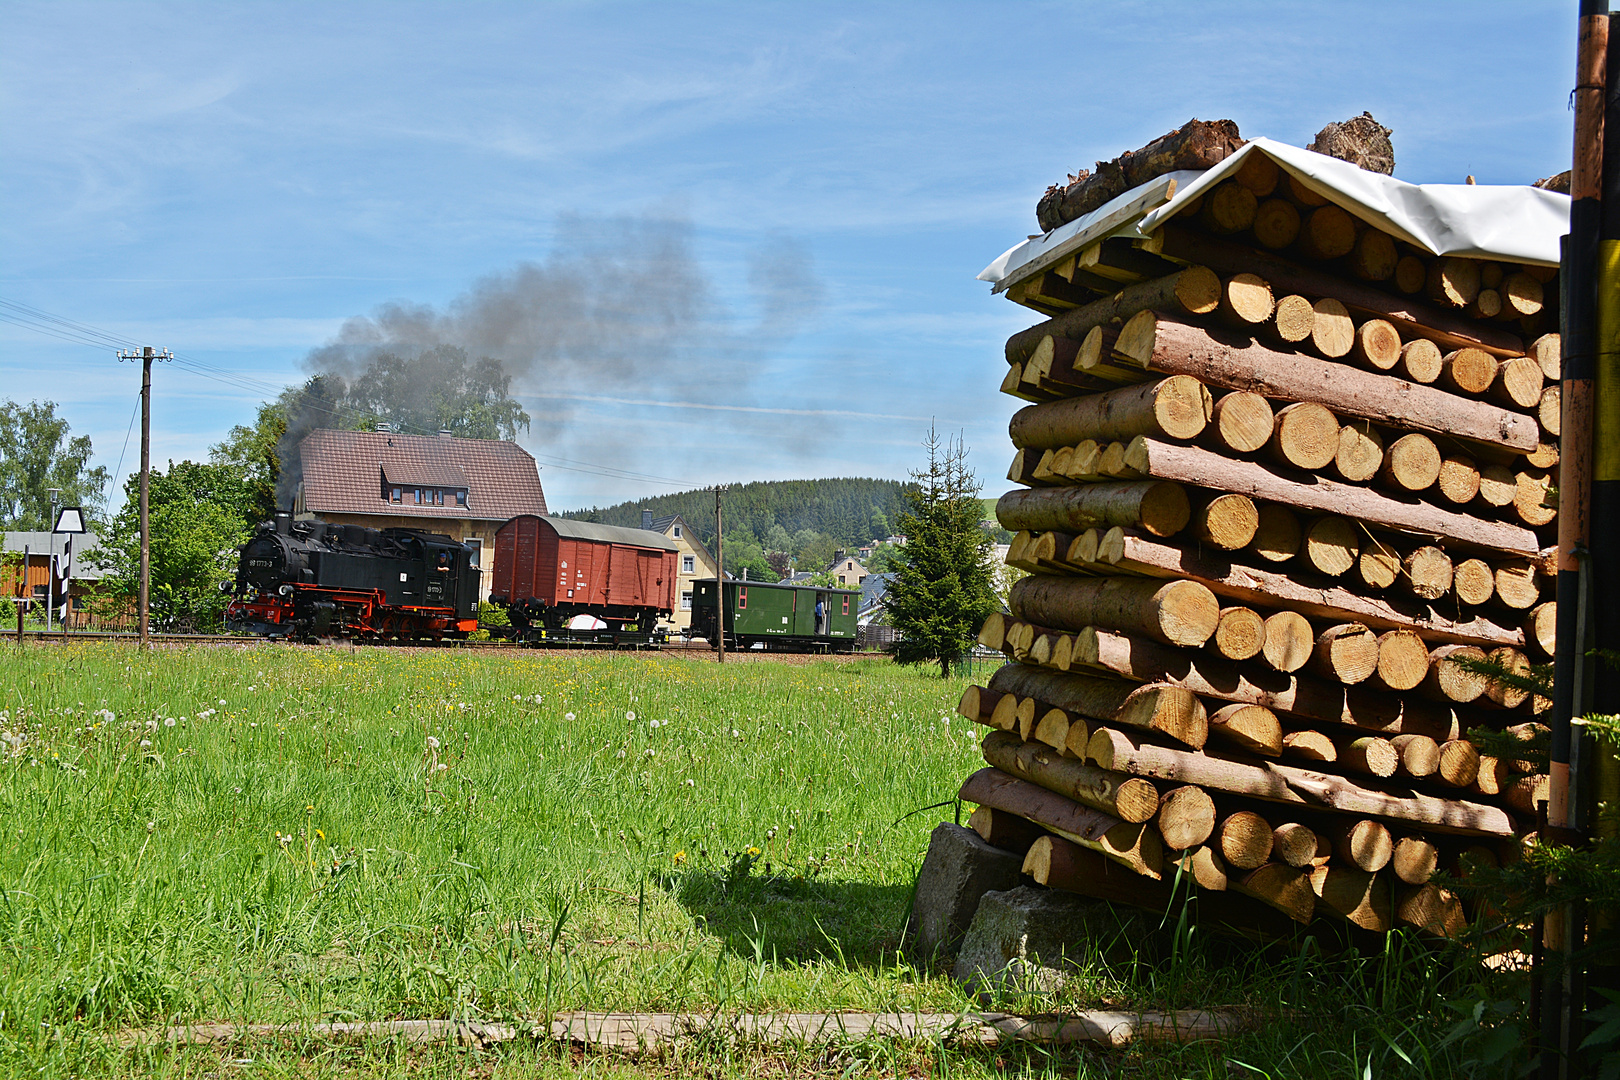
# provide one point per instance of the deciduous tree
(199, 517)
(942, 591)
(37, 455)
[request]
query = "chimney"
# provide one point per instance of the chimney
(838, 556)
(384, 427)
(444, 433)
(646, 519)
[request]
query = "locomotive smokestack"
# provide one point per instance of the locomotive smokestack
(646, 519)
(284, 522)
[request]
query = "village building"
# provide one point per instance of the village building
(35, 580)
(849, 570)
(463, 488)
(694, 562)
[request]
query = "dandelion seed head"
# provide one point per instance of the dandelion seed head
(690, 782)
(631, 716)
(433, 742)
(650, 752)
(568, 716)
(151, 826)
(170, 721)
(145, 743)
(619, 754)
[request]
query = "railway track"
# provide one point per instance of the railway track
(693, 649)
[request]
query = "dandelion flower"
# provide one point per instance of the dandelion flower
(753, 850)
(680, 857)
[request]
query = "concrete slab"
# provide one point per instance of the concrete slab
(958, 869)
(1029, 939)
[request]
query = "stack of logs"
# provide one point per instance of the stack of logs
(1280, 473)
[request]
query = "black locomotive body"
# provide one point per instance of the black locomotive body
(308, 579)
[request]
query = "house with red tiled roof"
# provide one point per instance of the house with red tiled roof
(464, 488)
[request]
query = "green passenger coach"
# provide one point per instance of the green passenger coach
(779, 616)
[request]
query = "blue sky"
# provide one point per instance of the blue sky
(234, 181)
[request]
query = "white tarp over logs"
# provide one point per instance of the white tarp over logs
(1511, 223)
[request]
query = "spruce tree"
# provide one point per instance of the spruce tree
(942, 592)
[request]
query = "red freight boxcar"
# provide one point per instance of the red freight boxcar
(550, 570)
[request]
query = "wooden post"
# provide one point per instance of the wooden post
(1573, 667)
(719, 580)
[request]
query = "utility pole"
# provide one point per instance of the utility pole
(719, 577)
(145, 356)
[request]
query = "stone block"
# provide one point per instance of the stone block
(958, 869)
(1029, 939)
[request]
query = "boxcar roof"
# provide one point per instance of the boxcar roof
(613, 534)
(782, 585)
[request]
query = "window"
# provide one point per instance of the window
(841, 580)
(477, 546)
(677, 532)
(396, 494)
(461, 498)
(688, 564)
(686, 601)
(419, 496)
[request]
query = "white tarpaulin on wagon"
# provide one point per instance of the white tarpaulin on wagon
(1507, 222)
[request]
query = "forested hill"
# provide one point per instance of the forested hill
(849, 511)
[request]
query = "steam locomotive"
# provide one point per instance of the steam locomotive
(311, 580)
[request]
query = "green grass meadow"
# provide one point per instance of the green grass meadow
(274, 834)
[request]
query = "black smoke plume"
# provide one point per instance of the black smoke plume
(622, 305)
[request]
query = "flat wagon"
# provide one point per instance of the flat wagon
(798, 618)
(550, 571)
